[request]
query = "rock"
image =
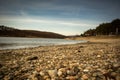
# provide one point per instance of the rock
(76, 70)
(52, 73)
(85, 70)
(79, 51)
(116, 65)
(59, 73)
(113, 74)
(1, 65)
(1, 75)
(36, 76)
(38, 69)
(98, 56)
(71, 78)
(97, 75)
(32, 58)
(9, 77)
(42, 73)
(68, 72)
(46, 77)
(85, 77)
(35, 72)
(16, 66)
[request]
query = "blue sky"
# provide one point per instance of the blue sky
(68, 17)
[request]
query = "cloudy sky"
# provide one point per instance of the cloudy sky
(68, 17)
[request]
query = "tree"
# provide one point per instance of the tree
(90, 32)
(105, 29)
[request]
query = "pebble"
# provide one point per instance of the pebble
(61, 63)
(52, 73)
(113, 74)
(60, 73)
(71, 78)
(85, 77)
(1, 65)
(98, 56)
(1, 75)
(32, 58)
(85, 70)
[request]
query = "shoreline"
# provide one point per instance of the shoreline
(83, 61)
(17, 43)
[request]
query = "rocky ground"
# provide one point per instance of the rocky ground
(85, 61)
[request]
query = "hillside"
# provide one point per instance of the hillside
(12, 32)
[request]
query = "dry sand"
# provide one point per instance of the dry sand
(98, 59)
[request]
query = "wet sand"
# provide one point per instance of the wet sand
(95, 60)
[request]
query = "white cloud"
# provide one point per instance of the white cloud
(45, 21)
(66, 27)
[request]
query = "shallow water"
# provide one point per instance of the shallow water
(18, 42)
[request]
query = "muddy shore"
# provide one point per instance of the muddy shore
(94, 60)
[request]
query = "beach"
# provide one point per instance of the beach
(97, 59)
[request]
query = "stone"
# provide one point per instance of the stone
(52, 73)
(71, 78)
(32, 58)
(1, 75)
(46, 77)
(59, 73)
(42, 73)
(85, 77)
(79, 51)
(85, 70)
(36, 76)
(9, 77)
(98, 56)
(1, 65)
(116, 65)
(76, 70)
(113, 74)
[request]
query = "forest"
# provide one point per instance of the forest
(111, 28)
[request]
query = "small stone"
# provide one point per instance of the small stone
(52, 73)
(71, 78)
(1, 65)
(35, 72)
(32, 58)
(116, 65)
(79, 51)
(9, 77)
(59, 73)
(85, 70)
(46, 77)
(42, 73)
(76, 70)
(1, 76)
(85, 77)
(38, 69)
(113, 74)
(98, 56)
(36, 76)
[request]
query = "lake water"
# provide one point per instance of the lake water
(16, 43)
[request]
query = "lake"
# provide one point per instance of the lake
(19, 42)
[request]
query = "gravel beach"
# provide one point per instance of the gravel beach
(94, 60)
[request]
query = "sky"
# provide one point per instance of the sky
(67, 17)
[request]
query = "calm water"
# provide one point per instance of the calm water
(16, 43)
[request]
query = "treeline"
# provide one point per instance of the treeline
(112, 28)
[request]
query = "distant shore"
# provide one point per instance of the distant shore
(98, 58)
